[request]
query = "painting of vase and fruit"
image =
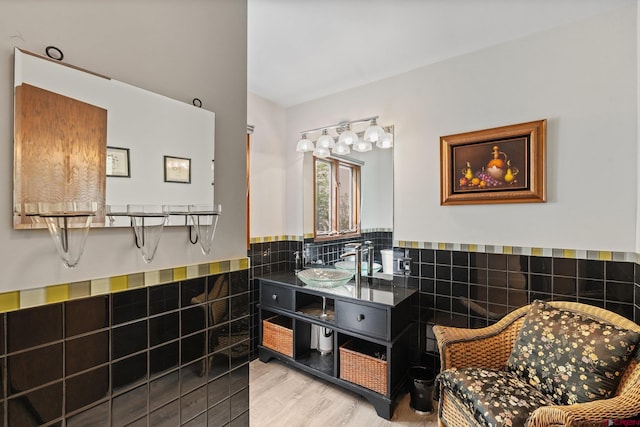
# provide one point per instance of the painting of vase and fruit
(491, 166)
(506, 164)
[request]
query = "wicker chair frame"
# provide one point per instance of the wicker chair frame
(490, 347)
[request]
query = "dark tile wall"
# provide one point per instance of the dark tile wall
(146, 357)
(323, 253)
(266, 258)
(470, 289)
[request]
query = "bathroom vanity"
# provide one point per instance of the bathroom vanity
(374, 331)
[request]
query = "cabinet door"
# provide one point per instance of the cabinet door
(276, 296)
(362, 319)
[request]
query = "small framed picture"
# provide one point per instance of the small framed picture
(118, 162)
(177, 169)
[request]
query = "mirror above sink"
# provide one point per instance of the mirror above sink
(80, 136)
(376, 207)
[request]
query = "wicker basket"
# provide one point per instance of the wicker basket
(277, 334)
(363, 369)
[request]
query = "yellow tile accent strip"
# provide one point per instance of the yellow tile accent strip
(536, 251)
(100, 286)
(136, 280)
(442, 246)
(507, 250)
(214, 268)
(80, 289)
(57, 293)
(219, 267)
(15, 300)
(9, 301)
(119, 283)
(473, 248)
(604, 256)
(569, 253)
(151, 278)
(193, 271)
(32, 297)
(179, 273)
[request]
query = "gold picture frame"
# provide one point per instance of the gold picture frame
(500, 165)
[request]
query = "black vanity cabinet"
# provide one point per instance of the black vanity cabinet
(374, 333)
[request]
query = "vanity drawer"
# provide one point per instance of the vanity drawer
(362, 319)
(276, 296)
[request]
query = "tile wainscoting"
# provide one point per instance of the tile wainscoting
(168, 348)
(475, 285)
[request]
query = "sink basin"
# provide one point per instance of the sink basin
(324, 277)
(351, 266)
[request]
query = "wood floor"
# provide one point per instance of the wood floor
(283, 396)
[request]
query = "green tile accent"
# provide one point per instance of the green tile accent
(136, 280)
(80, 289)
(166, 276)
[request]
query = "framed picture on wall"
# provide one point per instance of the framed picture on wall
(499, 165)
(118, 162)
(177, 169)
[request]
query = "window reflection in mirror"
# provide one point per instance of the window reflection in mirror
(337, 198)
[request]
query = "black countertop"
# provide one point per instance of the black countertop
(383, 289)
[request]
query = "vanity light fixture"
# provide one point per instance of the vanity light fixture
(325, 140)
(68, 224)
(304, 144)
(341, 149)
(204, 219)
(347, 139)
(387, 140)
(348, 136)
(147, 222)
(374, 133)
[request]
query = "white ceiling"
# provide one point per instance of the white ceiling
(299, 50)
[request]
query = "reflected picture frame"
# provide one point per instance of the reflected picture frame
(500, 165)
(177, 169)
(118, 163)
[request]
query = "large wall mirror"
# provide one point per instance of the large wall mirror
(376, 191)
(80, 136)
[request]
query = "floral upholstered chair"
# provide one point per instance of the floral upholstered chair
(545, 364)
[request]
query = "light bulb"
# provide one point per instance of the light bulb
(341, 148)
(362, 146)
(374, 133)
(348, 137)
(304, 144)
(325, 140)
(321, 152)
(386, 141)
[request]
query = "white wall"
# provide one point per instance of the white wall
(267, 164)
(582, 78)
(178, 49)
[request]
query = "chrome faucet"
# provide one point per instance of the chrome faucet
(369, 249)
(357, 250)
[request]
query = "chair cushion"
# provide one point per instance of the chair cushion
(570, 357)
(496, 398)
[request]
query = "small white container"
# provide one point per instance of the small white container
(387, 261)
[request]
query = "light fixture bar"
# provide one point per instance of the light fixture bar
(341, 124)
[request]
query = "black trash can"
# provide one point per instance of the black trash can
(422, 380)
